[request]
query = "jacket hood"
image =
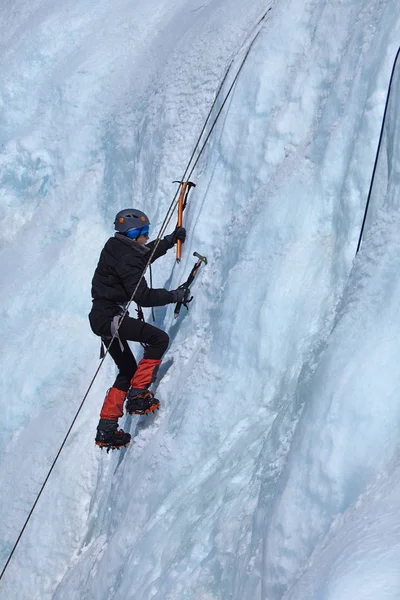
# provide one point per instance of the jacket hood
(132, 243)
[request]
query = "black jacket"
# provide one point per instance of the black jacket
(122, 262)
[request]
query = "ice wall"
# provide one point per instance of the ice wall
(272, 436)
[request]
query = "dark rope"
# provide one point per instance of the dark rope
(163, 228)
(227, 95)
(259, 22)
(377, 152)
(49, 473)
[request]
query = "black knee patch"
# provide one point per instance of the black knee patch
(122, 382)
(164, 341)
(156, 345)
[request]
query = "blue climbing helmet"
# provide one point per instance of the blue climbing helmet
(132, 223)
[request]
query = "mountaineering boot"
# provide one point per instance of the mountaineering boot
(109, 436)
(141, 402)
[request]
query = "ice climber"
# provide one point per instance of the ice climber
(121, 264)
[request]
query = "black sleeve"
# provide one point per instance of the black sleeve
(130, 273)
(162, 248)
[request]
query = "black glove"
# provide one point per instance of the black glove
(178, 234)
(181, 295)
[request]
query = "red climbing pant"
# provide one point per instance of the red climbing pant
(113, 405)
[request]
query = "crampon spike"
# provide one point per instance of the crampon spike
(108, 448)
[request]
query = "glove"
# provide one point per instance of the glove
(181, 295)
(178, 234)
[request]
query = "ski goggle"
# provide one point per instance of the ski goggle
(133, 234)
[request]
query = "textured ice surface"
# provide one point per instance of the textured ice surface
(272, 470)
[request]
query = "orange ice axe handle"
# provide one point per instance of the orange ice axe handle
(183, 196)
(180, 217)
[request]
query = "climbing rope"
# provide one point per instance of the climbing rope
(165, 223)
(377, 152)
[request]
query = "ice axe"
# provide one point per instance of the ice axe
(189, 281)
(183, 196)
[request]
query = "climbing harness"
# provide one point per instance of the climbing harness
(190, 167)
(140, 314)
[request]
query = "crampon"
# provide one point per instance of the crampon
(112, 440)
(141, 403)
